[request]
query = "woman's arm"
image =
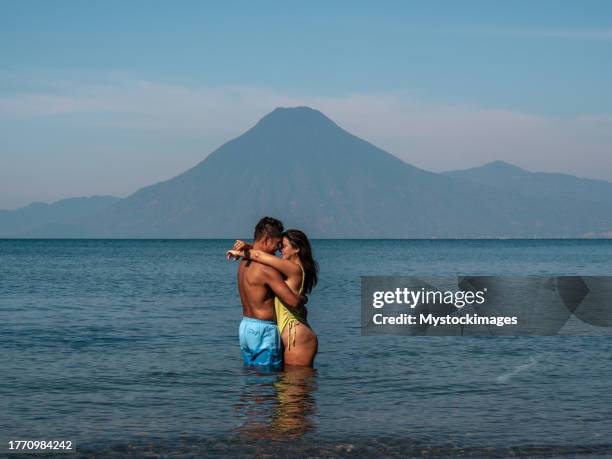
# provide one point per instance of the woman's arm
(286, 267)
(241, 245)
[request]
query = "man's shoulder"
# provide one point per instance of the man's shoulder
(257, 271)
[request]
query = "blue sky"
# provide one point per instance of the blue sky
(107, 97)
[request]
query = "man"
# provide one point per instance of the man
(260, 341)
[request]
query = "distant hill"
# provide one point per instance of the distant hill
(298, 165)
(591, 197)
(38, 215)
(504, 176)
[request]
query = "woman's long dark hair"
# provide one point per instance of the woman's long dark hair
(299, 241)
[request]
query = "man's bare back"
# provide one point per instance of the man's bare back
(258, 284)
(256, 296)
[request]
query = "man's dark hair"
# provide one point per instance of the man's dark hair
(270, 227)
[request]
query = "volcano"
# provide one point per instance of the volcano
(299, 166)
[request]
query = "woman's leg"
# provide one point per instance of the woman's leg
(303, 350)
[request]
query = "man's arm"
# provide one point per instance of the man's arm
(282, 290)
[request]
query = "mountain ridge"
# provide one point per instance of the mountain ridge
(20, 221)
(300, 166)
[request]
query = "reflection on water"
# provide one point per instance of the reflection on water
(277, 405)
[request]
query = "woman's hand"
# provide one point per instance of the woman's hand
(238, 250)
(234, 254)
(241, 245)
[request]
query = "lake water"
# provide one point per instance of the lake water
(130, 347)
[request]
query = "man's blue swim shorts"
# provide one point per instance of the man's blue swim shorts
(260, 343)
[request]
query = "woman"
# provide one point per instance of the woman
(300, 271)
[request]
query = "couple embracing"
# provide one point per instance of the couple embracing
(274, 329)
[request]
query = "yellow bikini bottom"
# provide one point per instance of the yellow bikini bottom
(288, 318)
